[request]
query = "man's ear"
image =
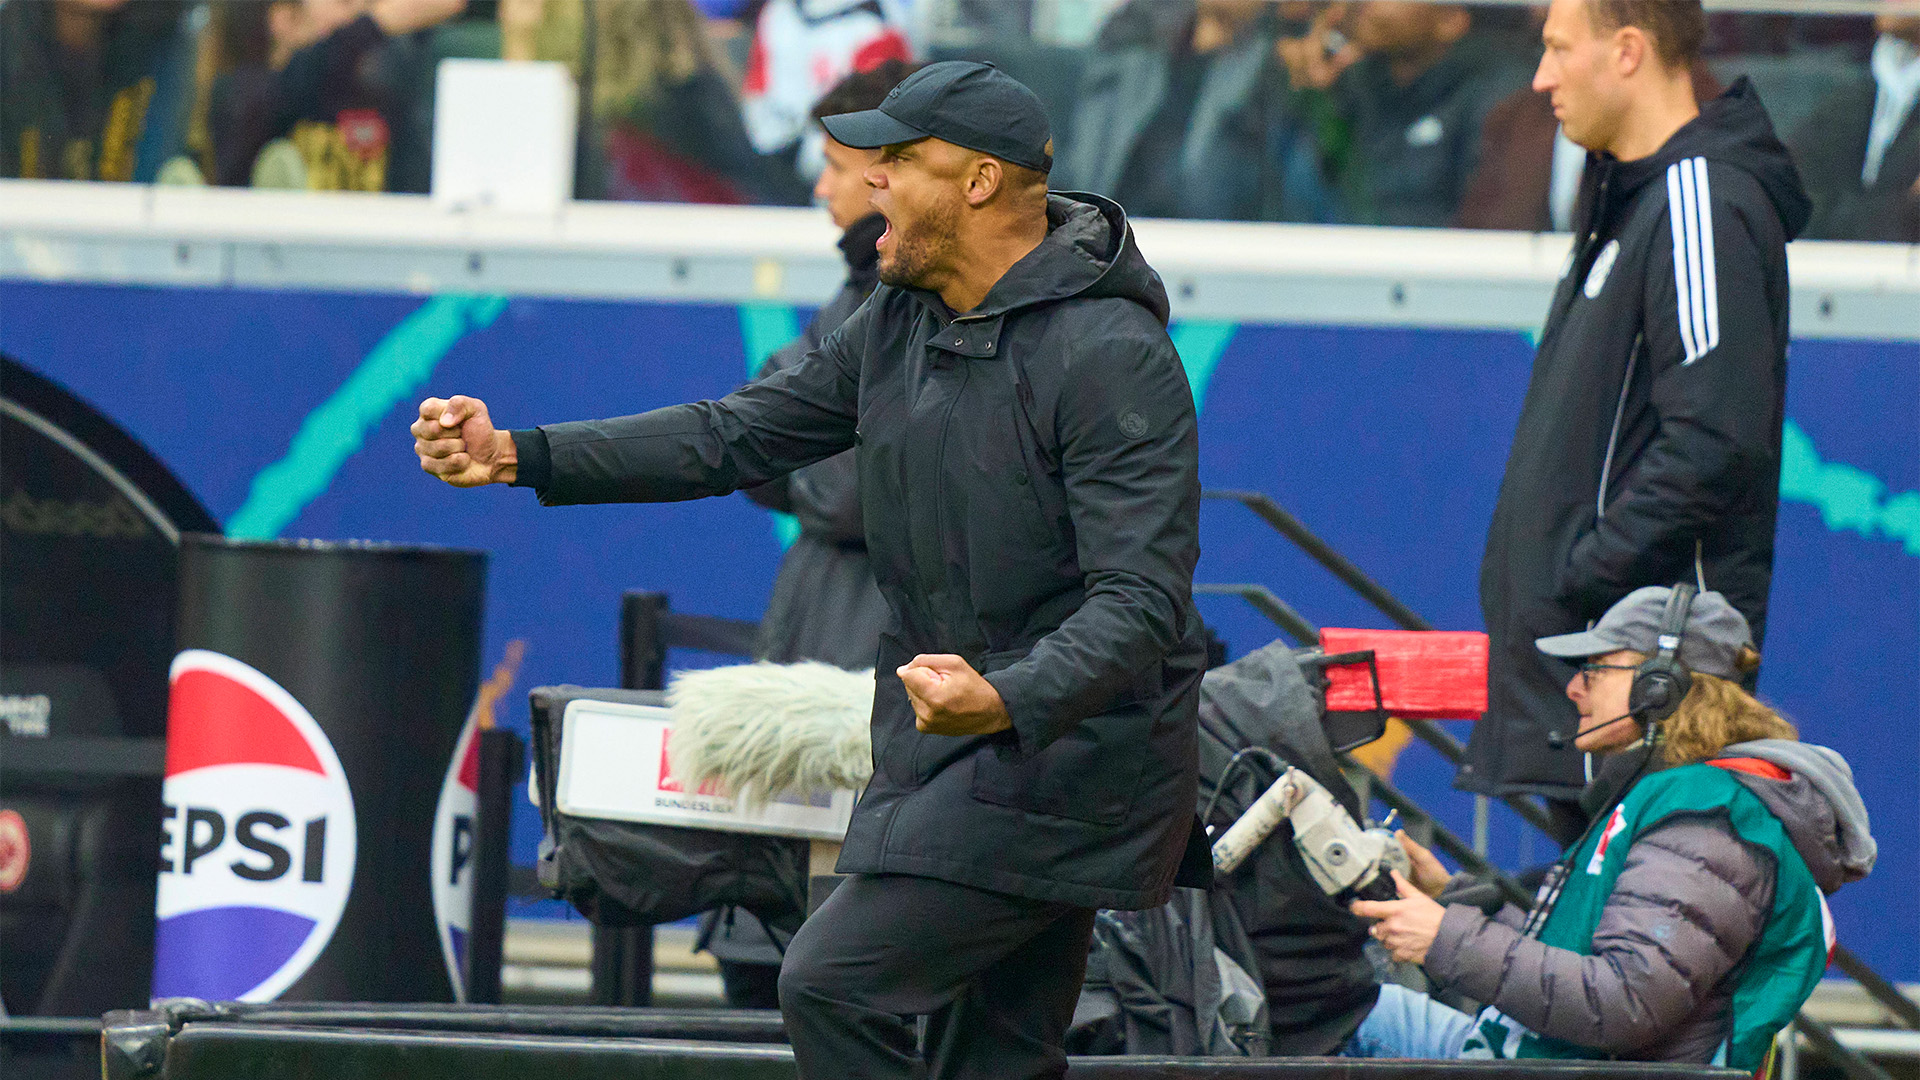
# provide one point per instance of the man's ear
(986, 178)
(1631, 48)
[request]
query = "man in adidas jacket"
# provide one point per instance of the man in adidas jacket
(1648, 449)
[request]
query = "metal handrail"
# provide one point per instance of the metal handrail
(1383, 601)
(1278, 611)
(1851, 1061)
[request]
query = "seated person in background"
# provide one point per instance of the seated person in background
(1687, 925)
(1184, 111)
(91, 89)
(667, 122)
(312, 96)
(1408, 97)
(1859, 153)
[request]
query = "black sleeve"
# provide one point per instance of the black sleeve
(765, 429)
(1130, 461)
(1711, 342)
(536, 460)
(777, 493)
(324, 77)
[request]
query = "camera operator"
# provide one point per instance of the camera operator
(1687, 925)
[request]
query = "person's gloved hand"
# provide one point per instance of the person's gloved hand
(950, 698)
(1408, 925)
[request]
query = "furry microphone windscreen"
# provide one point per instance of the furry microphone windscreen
(759, 730)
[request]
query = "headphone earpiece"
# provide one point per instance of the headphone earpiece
(1662, 682)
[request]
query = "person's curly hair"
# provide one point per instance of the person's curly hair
(1717, 713)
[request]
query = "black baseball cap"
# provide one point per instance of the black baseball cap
(968, 104)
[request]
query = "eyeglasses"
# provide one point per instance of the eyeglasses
(1587, 670)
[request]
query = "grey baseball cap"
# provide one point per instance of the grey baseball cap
(1715, 634)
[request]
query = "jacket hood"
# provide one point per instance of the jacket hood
(1733, 129)
(1818, 804)
(1089, 253)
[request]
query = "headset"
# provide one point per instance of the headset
(1660, 683)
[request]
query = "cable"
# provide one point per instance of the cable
(1273, 760)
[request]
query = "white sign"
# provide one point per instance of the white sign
(613, 764)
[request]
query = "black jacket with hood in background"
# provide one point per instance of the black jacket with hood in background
(1029, 476)
(1648, 448)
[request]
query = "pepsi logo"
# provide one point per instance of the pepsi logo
(452, 855)
(16, 850)
(258, 838)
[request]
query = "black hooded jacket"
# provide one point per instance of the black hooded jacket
(1029, 476)
(1648, 448)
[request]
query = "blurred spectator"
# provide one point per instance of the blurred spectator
(665, 122)
(1184, 111)
(800, 49)
(730, 25)
(312, 96)
(1860, 152)
(93, 89)
(1528, 177)
(1410, 92)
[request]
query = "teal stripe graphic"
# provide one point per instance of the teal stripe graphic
(1200, 345)
(765, 328)
(396, 368)
(1848, 498)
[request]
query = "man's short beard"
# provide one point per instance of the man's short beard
(920, 252)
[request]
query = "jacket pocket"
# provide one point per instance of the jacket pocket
(1090, 774)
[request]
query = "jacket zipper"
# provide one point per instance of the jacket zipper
(1613, 437)
(1606, 468)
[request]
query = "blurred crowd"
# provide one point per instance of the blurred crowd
(1391, 112)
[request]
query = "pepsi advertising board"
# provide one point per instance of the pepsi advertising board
(318, 809)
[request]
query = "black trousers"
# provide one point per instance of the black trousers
(996, 976)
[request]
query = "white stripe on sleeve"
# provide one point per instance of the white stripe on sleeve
(1696, 287)
(1677, 216)
(1710, 290)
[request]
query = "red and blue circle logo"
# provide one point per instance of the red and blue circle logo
(257, 851)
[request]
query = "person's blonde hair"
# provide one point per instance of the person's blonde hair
(642, 48)
(1717, 713)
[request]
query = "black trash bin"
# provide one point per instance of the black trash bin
(313, 845)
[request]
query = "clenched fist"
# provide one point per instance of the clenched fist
(456, 441)
(950, 698)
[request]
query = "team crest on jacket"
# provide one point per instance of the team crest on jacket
(1602, 266)
(258, 844)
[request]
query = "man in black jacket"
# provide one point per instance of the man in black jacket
(1029, 477)
(1648, 449)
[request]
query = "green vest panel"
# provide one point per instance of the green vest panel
(1780, 970)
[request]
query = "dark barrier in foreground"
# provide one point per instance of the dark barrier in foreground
(196, 1041)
